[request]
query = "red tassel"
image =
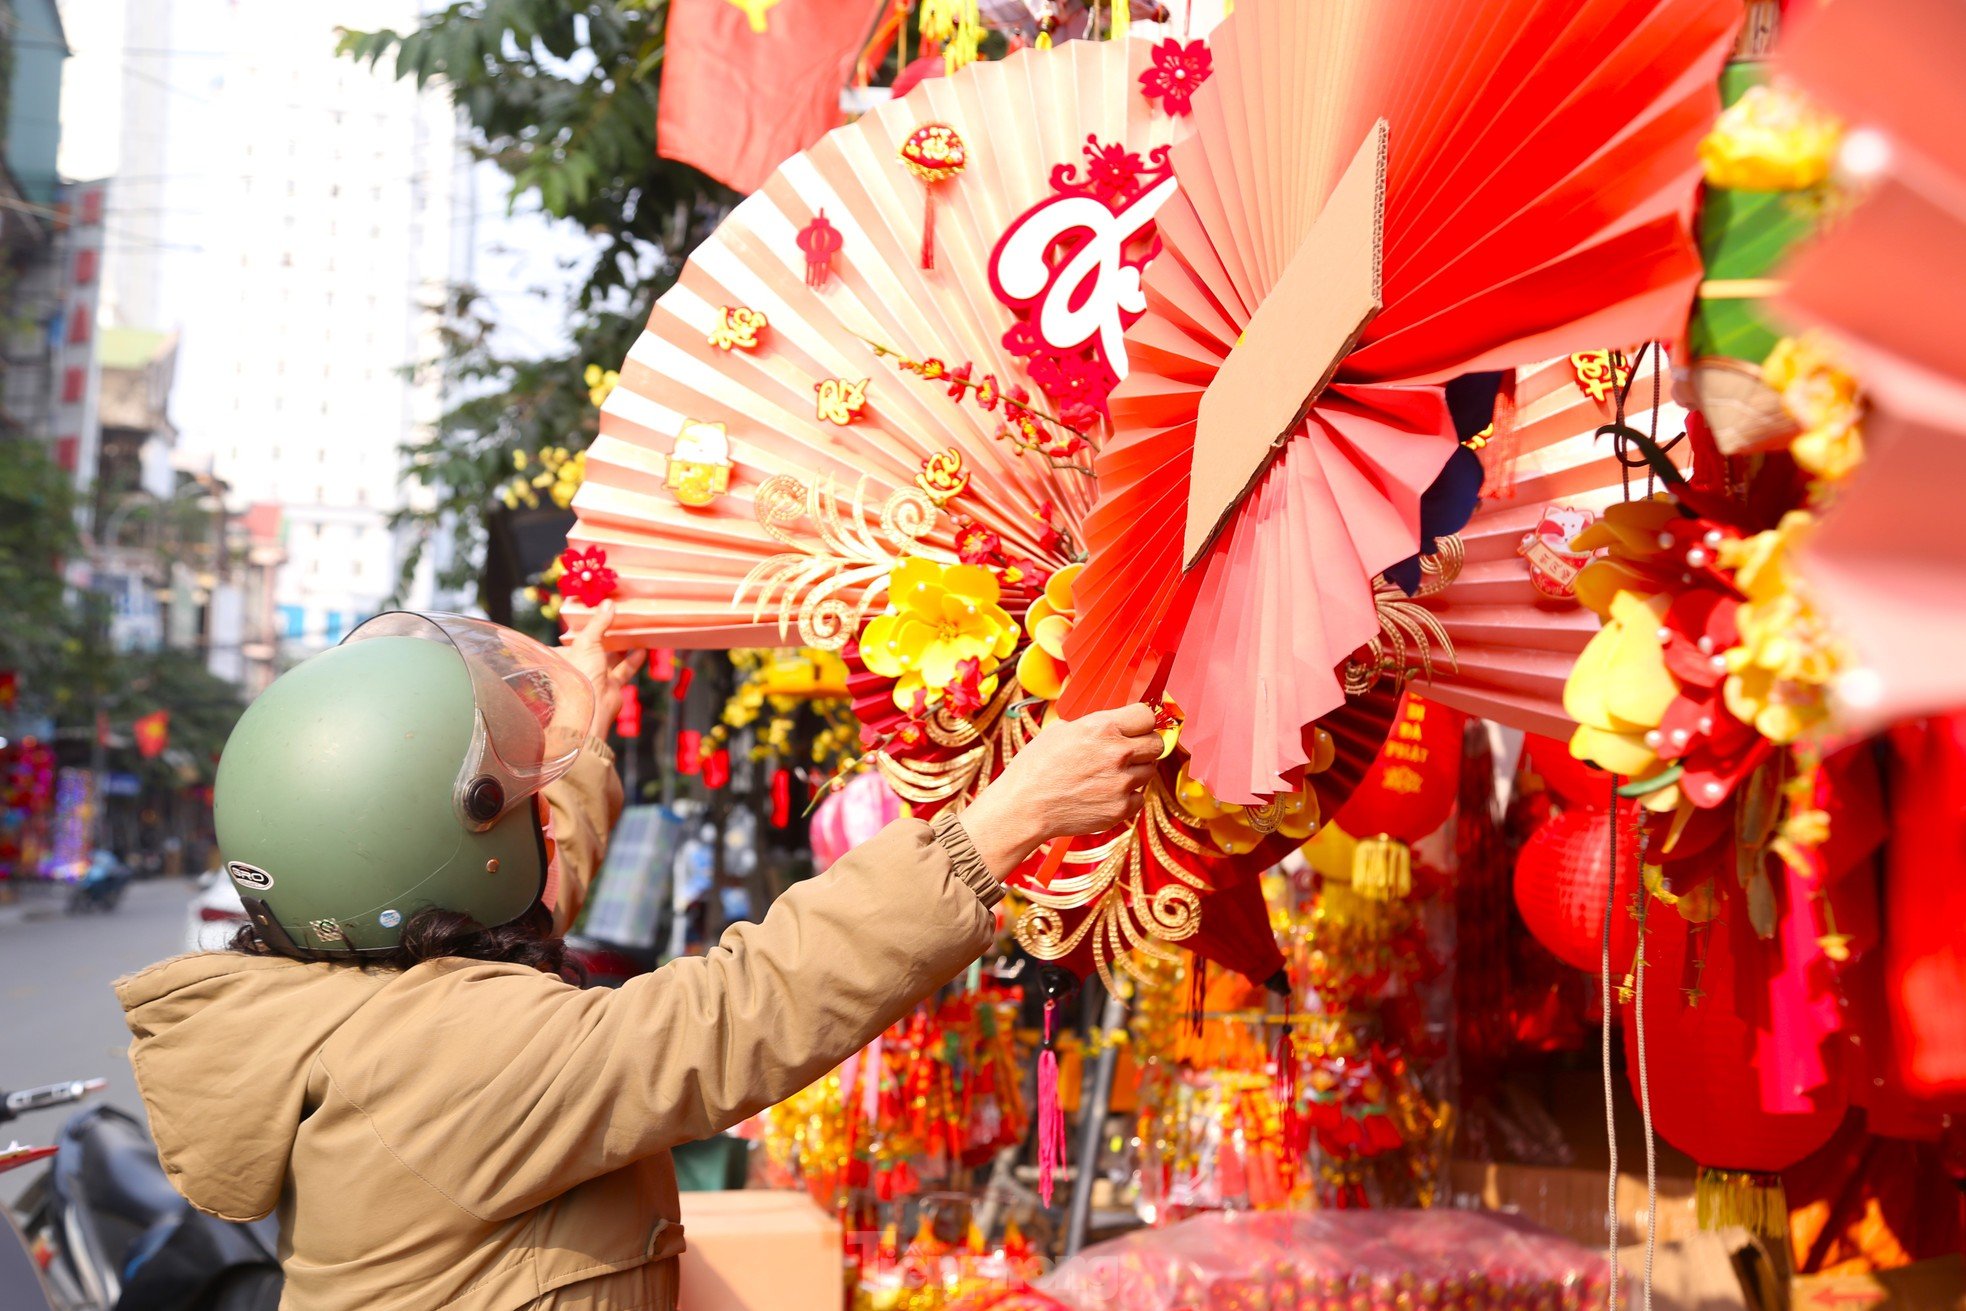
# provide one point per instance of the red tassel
(928, 228)
(1197, 991)
(1051, 1115)
(1289, 1118)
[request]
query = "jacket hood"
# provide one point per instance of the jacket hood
(224, 1048)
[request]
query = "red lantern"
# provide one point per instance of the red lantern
(781, 797)
(689, 751)
(1561, 877)
(716, 769)
(628, 720)
(1407, 793)
(1707, 1099)
(1572, 782)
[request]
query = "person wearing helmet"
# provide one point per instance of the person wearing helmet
(393, 1060)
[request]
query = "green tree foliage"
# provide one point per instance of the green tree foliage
(561, 95)
(38, 537)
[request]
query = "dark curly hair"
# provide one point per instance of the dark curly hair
(436, 934)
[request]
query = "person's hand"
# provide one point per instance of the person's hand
(608, 675)
(1076, 776)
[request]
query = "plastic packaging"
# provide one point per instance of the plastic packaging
(1336, 1261)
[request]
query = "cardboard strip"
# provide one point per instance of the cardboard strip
(1292, 347)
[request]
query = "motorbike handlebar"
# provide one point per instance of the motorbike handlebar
(15, 1104)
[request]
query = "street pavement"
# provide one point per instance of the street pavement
(58, 1018)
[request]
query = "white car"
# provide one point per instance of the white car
(214, 915)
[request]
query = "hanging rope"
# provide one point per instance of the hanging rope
(1645, 1107)
(1610, 1103)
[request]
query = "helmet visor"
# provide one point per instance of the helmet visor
(533, 709)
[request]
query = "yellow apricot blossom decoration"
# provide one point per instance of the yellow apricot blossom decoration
(1822, 396)
(939, 615)
(1771, 139)
(1779, 675)
(1041, 669)
(554, 471)
(600, 383)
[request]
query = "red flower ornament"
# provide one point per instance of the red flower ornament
(1178, 71)
(587, 578)
(964, 694)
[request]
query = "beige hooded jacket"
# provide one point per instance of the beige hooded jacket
(487, 1137)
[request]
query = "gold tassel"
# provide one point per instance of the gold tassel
(1742, 1199)
(1382, 868)
(1122, 16)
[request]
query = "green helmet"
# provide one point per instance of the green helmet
(400, 770)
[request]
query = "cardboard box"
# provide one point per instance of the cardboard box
(759, 1251)
(1569, 1200)
(1938, 1285)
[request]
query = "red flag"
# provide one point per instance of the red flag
(747, 83)
(153, 734)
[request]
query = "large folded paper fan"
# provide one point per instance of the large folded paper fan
(1377, 194)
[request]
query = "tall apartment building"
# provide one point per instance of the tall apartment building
(327, 236)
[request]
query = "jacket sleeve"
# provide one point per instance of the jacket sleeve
(523, 1086)
(585, 803)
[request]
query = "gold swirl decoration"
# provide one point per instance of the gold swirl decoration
(1410, 638)
(983, 743)
(1124, 917)
(841, 551)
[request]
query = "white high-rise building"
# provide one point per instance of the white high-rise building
(327, 195)
(294, 217)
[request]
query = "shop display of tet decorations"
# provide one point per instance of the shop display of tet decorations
(1326, 371)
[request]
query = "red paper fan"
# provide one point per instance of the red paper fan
(1513, 627)
(1377, 192)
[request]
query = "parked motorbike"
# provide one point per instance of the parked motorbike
(101, 887)
(105, 1231)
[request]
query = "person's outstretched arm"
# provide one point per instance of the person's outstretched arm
(565, 1084)
(586, 801)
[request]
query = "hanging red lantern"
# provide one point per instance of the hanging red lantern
(1407, 793)
(935, 153)
(689, 751)
(1562, 875)
(628, 720)
(1572, 782)
(819, 240)
(716, 769)
(1706, 1093)
(662, 664)
(781, 797)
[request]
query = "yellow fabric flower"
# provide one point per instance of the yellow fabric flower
(1237, 830)
(1620, 689)
(938, 616)
(1041, 669)
(1779, 675)
(1823, 398)
(1771, 139)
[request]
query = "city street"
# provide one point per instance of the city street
(58, 1017)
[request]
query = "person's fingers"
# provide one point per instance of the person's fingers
(1139, 773)
(1145, 749)
(596, 627)
(625, 668)
(1133, 720)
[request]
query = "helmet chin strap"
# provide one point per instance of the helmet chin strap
(549, 854)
